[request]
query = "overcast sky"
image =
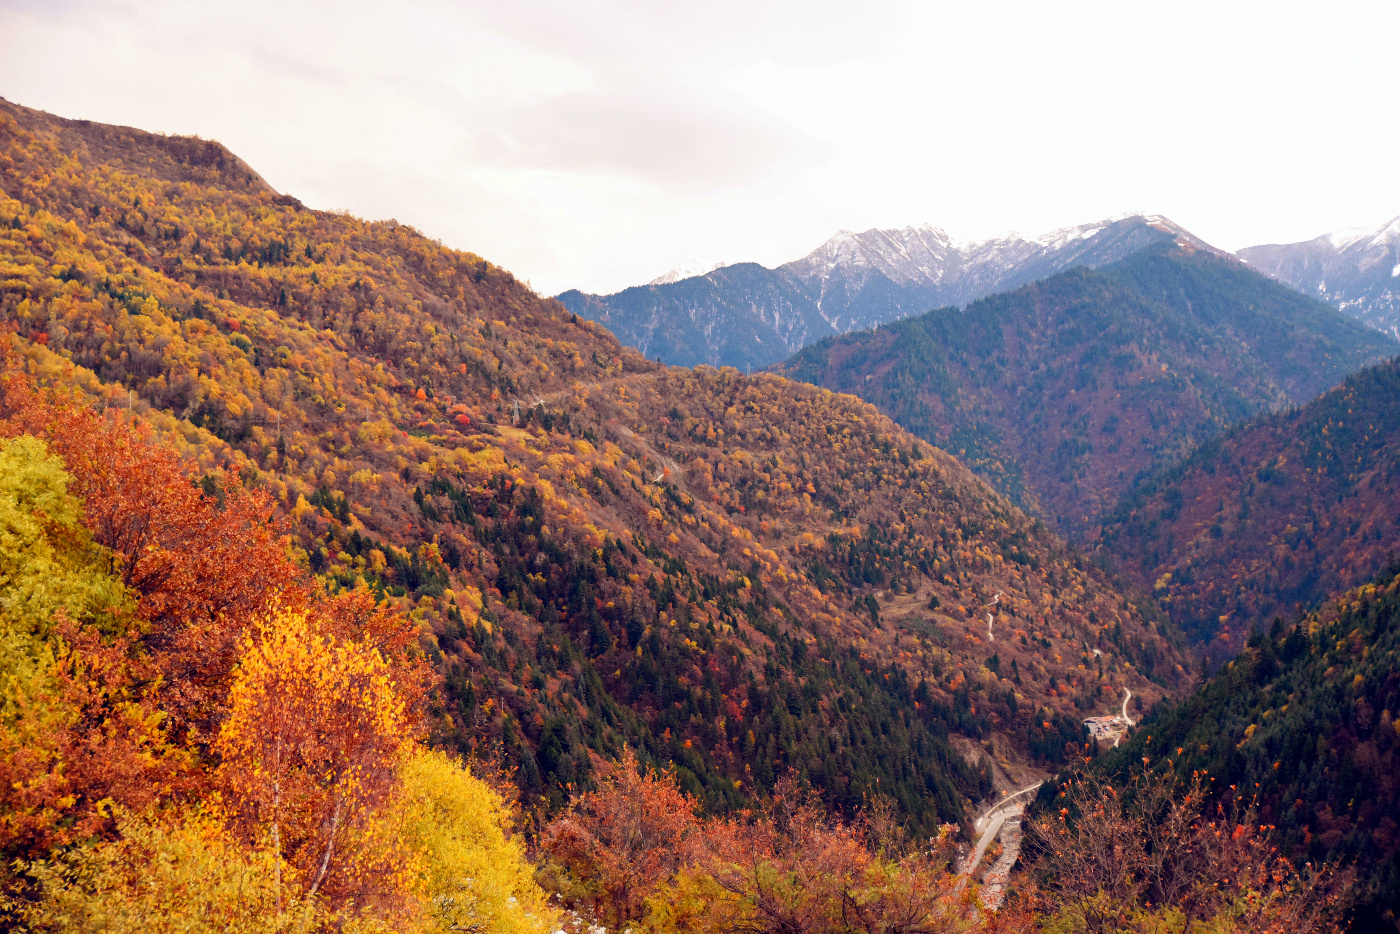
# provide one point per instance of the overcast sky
(598, 143)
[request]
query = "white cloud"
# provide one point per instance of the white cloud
(597, 144)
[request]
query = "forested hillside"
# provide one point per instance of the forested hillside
(1305, 719)
(194, 734)
(1271, 518)
(1060, 393)
(735, 575)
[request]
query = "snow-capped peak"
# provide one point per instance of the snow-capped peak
(927, 255)
(1352, 269)
(1341, 239)
(1364, 237)
(687, 270)
(910, 254)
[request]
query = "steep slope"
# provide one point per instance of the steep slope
(734, 574)
(749, 316)
(1273, 517)
(741, 315)
(1061, 392)
(1357, 270)
(1304, 718)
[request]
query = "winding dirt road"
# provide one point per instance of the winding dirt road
(990, 823)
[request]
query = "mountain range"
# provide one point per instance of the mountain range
(1356, 270)
(741, 575)
(733, 575)
(748, 316)
(1062, 392)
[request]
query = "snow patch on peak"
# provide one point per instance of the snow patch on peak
(1341, 239)
(1388, 233)
(1345, 268)
(909, 254)
(1363, 237)
(688, 270)
(928, 256)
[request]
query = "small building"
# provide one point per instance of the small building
(1106, 728)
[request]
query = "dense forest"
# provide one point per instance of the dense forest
(1271, 518)
(347, 585)
(735, 575)
(1303, 720)
(198, 735)
(195, 735)
(1063, 392)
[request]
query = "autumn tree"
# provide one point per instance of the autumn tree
(471, 872)
(309, 751)
(75, 727)
(164, 875)
(1158, 852)
(614, 846)
(795, 867)
(199, 563)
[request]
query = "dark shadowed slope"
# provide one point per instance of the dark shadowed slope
(1305, 719)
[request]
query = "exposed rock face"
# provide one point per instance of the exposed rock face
(1355, 270)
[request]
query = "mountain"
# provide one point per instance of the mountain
(732, 575)
(1061, 392)
(1271, 518)
(1304, 722)
(687, 270)
(1356, 270)
(749, 316)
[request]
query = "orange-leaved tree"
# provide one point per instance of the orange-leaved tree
(201, 562)
(797, 867)
(616, 845)
(1163, 853)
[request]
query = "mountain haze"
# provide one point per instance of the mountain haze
(748, 316)
(1355, 270)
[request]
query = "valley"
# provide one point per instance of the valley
(599, 551)
(348, 576)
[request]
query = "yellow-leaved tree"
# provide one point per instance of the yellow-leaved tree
(161, 874)
(474, 875)
(310, 750)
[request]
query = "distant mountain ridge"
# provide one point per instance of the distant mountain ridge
(1356, 270)
(1062, 391)
(746, 315)
(1272, 517)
